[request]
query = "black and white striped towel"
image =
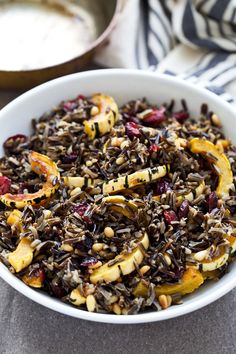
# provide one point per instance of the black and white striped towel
(193, 39)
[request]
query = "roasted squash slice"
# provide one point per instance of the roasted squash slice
(121, 205)
(103, 122)
(217, 159)
(190, 281)
(189, 196)
(123, 264)
(77, 298)
(192, 195)
(222, 254)
(41, 165)
(129, 181)
(22, 256)
(14, 219)
(35, 281)
(82, 182)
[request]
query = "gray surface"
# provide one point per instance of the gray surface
(26, 327)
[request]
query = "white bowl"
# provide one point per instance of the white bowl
(123, 85)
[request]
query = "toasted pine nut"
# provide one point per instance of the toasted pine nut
(75, 191)
(94, 110)
(116, 309)
(144, 269)
(91, 303)
(97, 247)
(67, 248)
(215, 120)
(108, 232)
(167, 259)
(120, 160)
(165, 301)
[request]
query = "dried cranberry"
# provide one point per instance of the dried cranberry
(156, 117)
(58, 290)
(5, 185)
(170, 216)
(183, 209)
(212, 201)
(81, 209)
(23, 186)
(15, 139)
(69, 106)
(162, 187)
(38, 273)
(41, 274)
(133, 130)
(154, 148)
(81, 97)
(69, 158)
(88, 261)
(181, 116)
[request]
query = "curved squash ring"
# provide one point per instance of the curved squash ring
(103, 122)
(190, 281)
(125, 264)
(219, 160)
(121, 205)
(41, 165)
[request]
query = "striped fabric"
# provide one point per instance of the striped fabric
(207, 26)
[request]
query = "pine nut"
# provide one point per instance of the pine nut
(94, 111)
(167, 259)
(97, 247)
(67, 248)
(124, 311)
(165, 301)
(91, 303)
(120, 160)
(75, 191)
(199, 256)
(116, 142)
(215, 120)
(124, 144)
(88, 163)
(116, 309)
(108, 232)
(113, 299)
(144, 269)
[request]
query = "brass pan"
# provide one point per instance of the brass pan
(44, 39)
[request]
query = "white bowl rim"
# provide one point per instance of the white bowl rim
(59, 306)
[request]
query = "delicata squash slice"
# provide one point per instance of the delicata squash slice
(121, 205)
(207, 262)
(107, 116)
(22, 256)
(123, 264)
(129, 181)
(219, 160)
(42, 165)
(190, 281)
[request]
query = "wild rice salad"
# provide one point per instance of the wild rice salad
(118, 210)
